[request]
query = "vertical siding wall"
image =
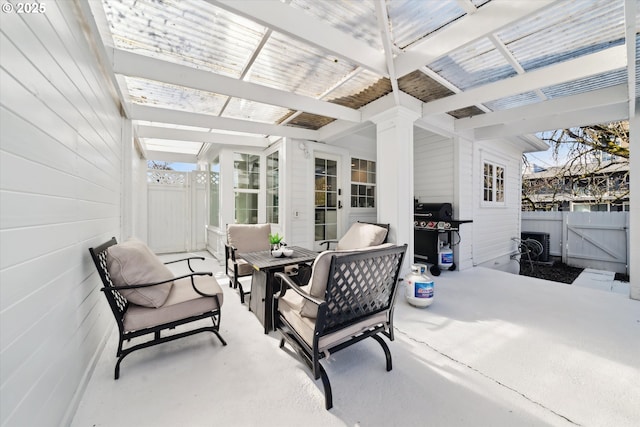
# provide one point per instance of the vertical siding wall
(60, 187)
(495, 226)
(433, 167)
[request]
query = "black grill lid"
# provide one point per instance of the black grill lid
(435, 211)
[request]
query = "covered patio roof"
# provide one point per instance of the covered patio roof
(248, 72)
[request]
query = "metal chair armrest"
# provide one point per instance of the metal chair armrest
(287, 282)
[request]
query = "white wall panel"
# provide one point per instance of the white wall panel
(60, 186)
(433, 167)
(495, 226)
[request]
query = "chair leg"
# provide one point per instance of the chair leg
(241, 292)
(328, 395)
(387, 353)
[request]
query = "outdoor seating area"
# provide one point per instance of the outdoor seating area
(210, 206)
(504, 349)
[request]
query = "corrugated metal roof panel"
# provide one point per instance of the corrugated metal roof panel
(519, 100)
(565, 31)
(287, 64)
(588, 84)
(356, 18)
(157, 94)
(357, 84)
(188, 32)
(412, 20)
(254, 111)
(474, 65)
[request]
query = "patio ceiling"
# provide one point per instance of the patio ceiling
(197, 72)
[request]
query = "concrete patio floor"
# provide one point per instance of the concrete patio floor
(494, 349)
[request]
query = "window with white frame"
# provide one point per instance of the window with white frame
(363, 183)
(273, 187)
(493, 183)
(246, 185)
(214, 208)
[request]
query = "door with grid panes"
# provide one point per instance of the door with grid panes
(327, 201)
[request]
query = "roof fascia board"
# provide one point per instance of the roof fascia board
(163, 115)
(441, 124)
(167, 156)
(158, 132)
(339, 129)
(486, 20)
(630, 10)
(296, 23)
(597, 98)
(570, 119)
(588, 65)
(529, 143)
(388, 102)
(132, 64)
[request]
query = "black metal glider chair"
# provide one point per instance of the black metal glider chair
(350, 297)
(146, 298)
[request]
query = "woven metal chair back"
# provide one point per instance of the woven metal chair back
(117, 302)
(360, 285)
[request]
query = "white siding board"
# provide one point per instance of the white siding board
(61, 164)
(433, 167)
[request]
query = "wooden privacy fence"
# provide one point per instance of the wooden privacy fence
(597, 240)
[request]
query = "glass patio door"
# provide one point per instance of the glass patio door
(327, 200)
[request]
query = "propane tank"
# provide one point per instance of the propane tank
(419, 287)
(445, 256)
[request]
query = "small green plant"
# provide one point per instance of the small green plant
(275, 239)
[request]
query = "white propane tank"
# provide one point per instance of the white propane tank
(445, 256)
(419, 287)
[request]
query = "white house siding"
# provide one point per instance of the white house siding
(494, 227)
(433, 167)
(60, 187)
(464, 189)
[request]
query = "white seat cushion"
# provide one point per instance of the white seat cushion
(361, 235)
(290, 306)
(133, 263)
(182, 302)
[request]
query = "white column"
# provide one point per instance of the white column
(634, 202)
(395, 175)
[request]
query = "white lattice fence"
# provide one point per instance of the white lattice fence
(177, 210)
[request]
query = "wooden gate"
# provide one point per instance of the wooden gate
(177, 210)
(597, 240)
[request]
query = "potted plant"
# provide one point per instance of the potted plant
(276, 241)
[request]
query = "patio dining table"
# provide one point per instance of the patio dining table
(263, 283)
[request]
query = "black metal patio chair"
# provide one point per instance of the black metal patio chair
(146, 298)
(350, 297)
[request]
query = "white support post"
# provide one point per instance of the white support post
(395, 175)
(634, 202)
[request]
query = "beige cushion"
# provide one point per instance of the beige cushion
(244, 268)
(290, 306)
(182, 302)
(249, 237)
(361, 235)
(133, 263)
(320, 275)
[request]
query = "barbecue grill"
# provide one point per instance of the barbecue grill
(433, 222)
